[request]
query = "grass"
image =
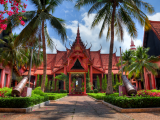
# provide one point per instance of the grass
(54, 96)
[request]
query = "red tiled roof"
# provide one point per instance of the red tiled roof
(40, 72)
(60, 58)
(95, 57)
(114, 71)
(26, 73)
(155, 25)
(105, 59)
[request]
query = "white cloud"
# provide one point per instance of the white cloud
(92, 35)
(59, 46)
(155, 17)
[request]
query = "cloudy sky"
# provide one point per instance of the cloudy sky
(72, 16)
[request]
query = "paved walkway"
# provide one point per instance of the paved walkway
(78, 108)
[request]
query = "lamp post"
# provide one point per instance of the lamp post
(30, 67)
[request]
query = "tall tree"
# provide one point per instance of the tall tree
(12, 55)
(126, 60)
(115, 14)
(141, 61)
(38, 18)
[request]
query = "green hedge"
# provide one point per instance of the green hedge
(54, 96)
(133, 102)
(98, 96)
(21, 102)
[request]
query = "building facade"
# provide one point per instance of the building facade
(152, 40)
(75, 62)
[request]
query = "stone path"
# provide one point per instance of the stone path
(78, 108)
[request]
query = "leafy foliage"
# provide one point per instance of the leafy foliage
(53, 84)
(37, 83)
(95, 91)
(65, 78)
(104, 83)
(133, 102)
(54, 96)
(57, 85)
(98, 83)
(88, 83)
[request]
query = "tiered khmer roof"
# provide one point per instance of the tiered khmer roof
(57, 61)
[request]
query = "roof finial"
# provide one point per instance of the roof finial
(78, 34)
(132, 46)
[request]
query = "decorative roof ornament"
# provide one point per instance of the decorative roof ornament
(91, 45)
(86, 44)
(115, 51)
(70, 44)
(100, 48)
(66, 47)
(56, 46)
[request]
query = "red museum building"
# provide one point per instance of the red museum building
(75, 62)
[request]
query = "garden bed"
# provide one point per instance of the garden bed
(55, 96)
(131, 104)
(24, 110)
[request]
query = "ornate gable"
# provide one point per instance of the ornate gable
(78, 53)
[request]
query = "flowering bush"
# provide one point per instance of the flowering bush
(16, 8)
(148, 93)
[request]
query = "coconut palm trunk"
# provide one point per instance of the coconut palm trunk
(44, 59)
(109, 86)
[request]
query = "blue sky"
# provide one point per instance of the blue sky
(72, 16)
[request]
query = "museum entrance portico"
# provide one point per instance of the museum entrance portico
(77, 83)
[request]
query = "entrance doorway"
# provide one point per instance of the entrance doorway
(94, 84)
(158, 83)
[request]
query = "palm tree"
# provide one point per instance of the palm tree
(141, 61)
(10, 54)
(38, 18)
(116, 14)
(126, 60)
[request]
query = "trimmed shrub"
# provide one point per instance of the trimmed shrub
(54, 96)
(22, 102)
(98, 96)
(65, 91)
(61, 91)
(91, 91)
(133, 102)
(95, 91)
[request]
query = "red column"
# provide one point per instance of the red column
(35, 80)
(69, 83)
(140, 87)
(8, 80)
(84, 83)
(91, 77)
(146, 79)
(65, 72)
(136, 84)
(153, 81)
(2, 77)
